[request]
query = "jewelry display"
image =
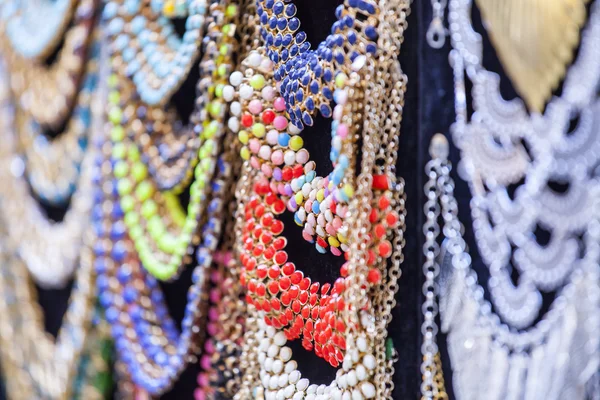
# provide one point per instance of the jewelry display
(345, 323)
(533, 186)
(144, 231)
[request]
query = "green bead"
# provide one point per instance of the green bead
(296, 143)
(243, 137)
(211, 130)
(149, 209)
(389, 349)
(258, 130)
(136, 232)
(224, 49)
(114, 97)
(226, 29)
(124, 186)
(257, 82)
(245, 153)
(231, 10)
(115, 115)
(119, 151)
(113, 80)
(133, 153)
(214, 108)
(139, 171)
(121, 168)
(222, 70)
(117, 133)
(144, 191)
(131, 218)
(219, 90)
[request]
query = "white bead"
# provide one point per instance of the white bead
(264, 152)
(282, 381)
(235, 108)
(341, 381)
(347, 364)
(293, 130)
(336, 394)
(355, 355)
(272, 137)
(321, 389)
(273, 351)
(268, 364)
(280, 395)
(266, 64)
(246, 91)
(361, 343)
(291, 366)
(285, 353)
(289, 391)
(234, 124)
(361, 372)
(320, 231)
(351, 378)
(357, 395)
(369, 362)
(346, 396)
(265, 380)
(289, 157)
(228, 93)
(368, 390)
(261, 358)
(273, 382)
(311, 396)
(264, 344)
(254, 59)
(312, 389)
(277, 366)
(236, 78)
(270, 331)
(270, 396)
(298, 396)
(268, 93)
(294, 376)
(302, 384)
(279, 339)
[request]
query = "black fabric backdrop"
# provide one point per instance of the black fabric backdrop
(428, 109)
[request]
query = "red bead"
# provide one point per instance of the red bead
(373, 216)
(384, 202)
(288, 268)
(296, 277)
(279, 207)
(381, 182)
(266, 220)
(261, 290)
(391, 219)
(268, 116)
(385, 249)
(321, 242)
(374, 276)
(273, 287)
(277, 227)
(287, 174)
(274, 272)
(247, 120)
(261, 271)
(279, 243)
(281, 257)
(296, 306)
(286, 299)
(380, 231)
(285, 283)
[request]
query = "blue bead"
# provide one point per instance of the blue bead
(130, 294)
(263, 19)
(327, 75)
(283, 139)
(327, 93)
(325, 110)
(102, 283)
(318, 71)
(371, 48)
(100, 266)
(300, 37)
(112, 315)
(294, 24)
(285, 55)
(338, 11)
(310, 104)
(339, 57)
(290, 10)
(278, 40)
(287, 39)
(314, 86)
(307, 119)
(278, 8)
(299, 96)
(371, 32)
(294, 50)
(269, 4)
(351, 37)
(281, 24)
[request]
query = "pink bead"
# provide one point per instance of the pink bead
(330, 229)
(255, 106)
(307, 236)
(205, 362)
(279, 104)
(337, 223)
(213, 314)
(302, 156)
(212, 328)
(215, 295)
(254, 145)
(280, 123)
(268, 93)
(342, 131)
(254, 161)
(277, 157)
(335, 251)
(267, 170)
(199, 394)
(272, 137)
(209, 346)
(203, 379)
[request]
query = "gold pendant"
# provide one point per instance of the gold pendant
(535, 41)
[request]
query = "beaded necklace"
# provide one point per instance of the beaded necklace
(163, 233)
(151, 348)
(47, 93)
(49, 249)
(287, 305)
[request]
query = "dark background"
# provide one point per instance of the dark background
(428, 109)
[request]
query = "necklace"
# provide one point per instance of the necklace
(151, 348)
(47, 93)
(285, 305)
(163, 234)
(50, 250)
(544, 233)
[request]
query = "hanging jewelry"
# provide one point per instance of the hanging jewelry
(532, 185)
(287, 305)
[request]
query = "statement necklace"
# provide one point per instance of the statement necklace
(151, 348)
(337, 321)
(535, 225)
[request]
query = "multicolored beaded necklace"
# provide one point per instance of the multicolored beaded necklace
(338, 321)
(143, 231)
(39, 365)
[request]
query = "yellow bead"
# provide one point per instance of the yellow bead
(333, 242)
(320, 195)
(299, 198)
(243, 137)
(245, 153)
(296, 143)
